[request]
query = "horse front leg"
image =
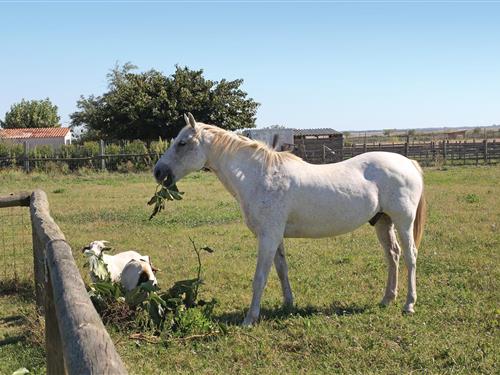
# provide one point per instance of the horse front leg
(266, 251)
(282, 270)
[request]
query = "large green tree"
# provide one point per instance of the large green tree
(149, 105)
(31, 114)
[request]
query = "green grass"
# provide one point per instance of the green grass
(337, 325)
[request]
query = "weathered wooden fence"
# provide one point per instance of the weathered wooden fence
(445, 152)
(75, 338)
(316, 151)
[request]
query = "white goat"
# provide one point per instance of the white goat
(128, 268)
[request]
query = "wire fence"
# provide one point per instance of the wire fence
(16, 251)
(76, 341)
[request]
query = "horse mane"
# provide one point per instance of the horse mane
(228, 142)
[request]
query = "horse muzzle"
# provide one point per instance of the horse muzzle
(163, 175)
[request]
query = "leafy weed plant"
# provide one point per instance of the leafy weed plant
(177, 312)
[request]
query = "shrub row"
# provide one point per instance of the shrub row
(123, 156)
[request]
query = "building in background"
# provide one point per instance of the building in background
(316, 146)
(284, 136)
(55, 137)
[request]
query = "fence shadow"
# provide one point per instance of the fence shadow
(23, 289)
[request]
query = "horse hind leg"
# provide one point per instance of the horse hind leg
(282, 270)
(387, 238)
(405, 231)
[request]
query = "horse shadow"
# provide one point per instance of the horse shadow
(283, 313)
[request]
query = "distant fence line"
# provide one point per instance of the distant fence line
(434, 136)
(317, 152)
(427, 153)
(92, 155)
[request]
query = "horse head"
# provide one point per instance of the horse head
(186, 154)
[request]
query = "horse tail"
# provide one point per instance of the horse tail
(418, 224)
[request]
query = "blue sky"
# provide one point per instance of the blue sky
(350, 66)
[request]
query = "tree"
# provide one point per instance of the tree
(149, 105)
(32, 114)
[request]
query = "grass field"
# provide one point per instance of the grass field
(336, 327)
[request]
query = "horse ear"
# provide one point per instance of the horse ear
(186, 118)
(192, 121)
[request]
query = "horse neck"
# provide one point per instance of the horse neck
(237, 171)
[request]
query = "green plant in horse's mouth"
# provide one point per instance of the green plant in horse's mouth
(162, 194)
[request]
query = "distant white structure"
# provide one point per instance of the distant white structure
(317, 146)
(285, 136)
(54, 137)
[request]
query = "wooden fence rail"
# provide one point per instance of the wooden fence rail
(75, 338)
(317, 151)
(485, 152)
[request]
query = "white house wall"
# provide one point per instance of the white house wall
(54, 142)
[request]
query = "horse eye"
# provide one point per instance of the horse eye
(182, 143)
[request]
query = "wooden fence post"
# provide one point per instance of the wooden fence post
(39, 270)
(74, 330)
(102, 152)
(444, 150)
(26, 156)
(53, 343)
(485, 151)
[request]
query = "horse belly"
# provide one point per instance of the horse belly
(308, 229)
(326, 220)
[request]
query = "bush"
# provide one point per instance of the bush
(54, 168)
(158, 147)
(89, 149)
(126, 167)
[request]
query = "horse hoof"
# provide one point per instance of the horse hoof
(288, 306)
(386, 302)
(248, 322)
(408, 310)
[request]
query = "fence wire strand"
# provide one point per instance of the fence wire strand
(15, 244)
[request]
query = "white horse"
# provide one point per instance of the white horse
(280, 195)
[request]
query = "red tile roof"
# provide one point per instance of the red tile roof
(34, 133)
